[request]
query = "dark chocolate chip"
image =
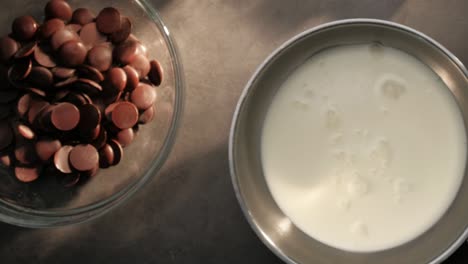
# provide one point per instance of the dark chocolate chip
(91, 73)
(132, 78)
(82, 16)
(50, 27)
(126, 52)
(25, 153)
(63, 73)
(87, 86)
(143, 96)
(155, 73)
(124, 32)
(141, 64)
(100, 57)
(58, 9)
(25, 174)
(108, 20)
(61, 37)
(125, 137)
(46, 148)
(36, 106)
(23, 105)
(74, 27)
(106, 156)
(26, 131)
(20, 70)
(118, 151)
(66, 83)
(8, 48)
(116, 80)
(90, 119)
(44, 58)
(61, 159)
(147, 115)
(124, 115)
(101, 139)
(90, 35)
(26, 50)
(84, 157)
(24, 28)
(41, 77)
(65, 116)
(36, 92)
(73, 53)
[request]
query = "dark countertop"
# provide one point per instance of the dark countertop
(189, 213)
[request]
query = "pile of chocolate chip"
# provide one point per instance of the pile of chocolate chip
(74, 90)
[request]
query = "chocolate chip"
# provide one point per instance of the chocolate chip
(75, 98)
(41, 77)
(63, 73)
(58, 9)
(87, 86)
(106, 156)
(26, 131)
(43, 58)
(46, 148)
(100, 57)
(84, 157)
(124, 115)
(101, 139)
(141, 64)
(73, 53)
(124, 32)
(50, 27)
(20, 70)
(73, 27)
(108, 20)
(82, 16)
(23, 105)
(37, 92)
(66, 83)
(147, 115)
(25, 174)
(36, 106)
(8, 48)
(25, 153)
(65, 116)
(24, 28)
(91, 36)
(143, 96)
(125, 137)
(70, 180)
(116, 79)
(132, 77)
(125, 52)
(5, 160)
(91, 73)
(61, 37)
(26, 50)
(118, 151)
(90, 119)
(156, 72)
(61, 159)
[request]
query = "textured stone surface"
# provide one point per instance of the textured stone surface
(189, 214)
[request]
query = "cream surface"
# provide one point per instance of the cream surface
(363, 147)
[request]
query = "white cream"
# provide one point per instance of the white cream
(363, 147)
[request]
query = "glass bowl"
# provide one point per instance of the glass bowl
(46, 202)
